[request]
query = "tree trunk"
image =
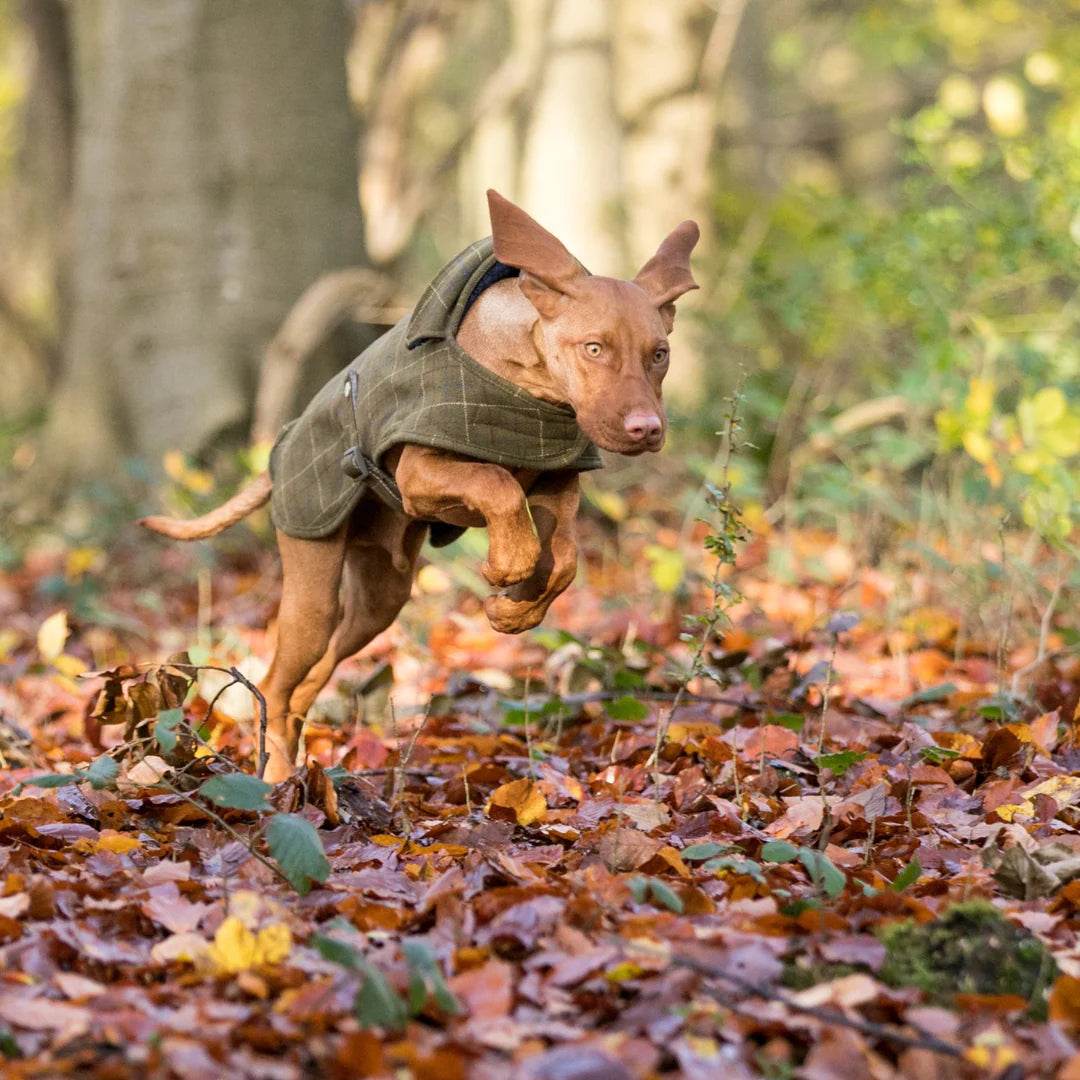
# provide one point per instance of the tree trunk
(215, 178)
(571, 178)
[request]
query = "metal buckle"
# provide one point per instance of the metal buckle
(354, 465)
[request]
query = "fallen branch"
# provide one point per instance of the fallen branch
(924, 1040)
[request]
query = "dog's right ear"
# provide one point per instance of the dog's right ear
(549, 270)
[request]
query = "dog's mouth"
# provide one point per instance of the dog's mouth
(623, 444)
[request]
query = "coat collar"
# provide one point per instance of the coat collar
(442, 306)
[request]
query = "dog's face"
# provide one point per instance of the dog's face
(607, 346)
(605, 341)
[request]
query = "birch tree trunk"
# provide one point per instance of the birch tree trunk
(215, 178)
(571, 177)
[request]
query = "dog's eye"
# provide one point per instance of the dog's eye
(660, 357)
(593, 348)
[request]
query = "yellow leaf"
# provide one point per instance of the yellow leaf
(1003, 103)
(978, 446)
(273, 944)
(682, 732)
(1049, 406)
(523, 797)
(234, 947)
(259, 456)
(980, 398)
(51, 636)
(1042, 69)
(667, 567)
(71, 666)
(198, 481)
(959, 96)
(611, 504)
(174, 463)
(1063, 789)
(187, 946)
(433, 580)
(114, 841)
(81, 559)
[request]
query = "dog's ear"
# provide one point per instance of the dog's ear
(666, 276)
(549, 270)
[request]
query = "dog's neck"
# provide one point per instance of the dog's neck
(501, 333)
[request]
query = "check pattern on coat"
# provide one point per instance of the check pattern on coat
(417, 385)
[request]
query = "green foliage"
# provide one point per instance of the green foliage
(826, 877)
(377, 1004)
(838, 764)
(100, 773)
(972, 949)
(661, 894)
(237, 791)
(165, 730)
(297, 849)
(929, 324)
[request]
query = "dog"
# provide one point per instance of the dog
(479, 409)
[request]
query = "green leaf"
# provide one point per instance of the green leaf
(822, 872)
(425, 977)
(838, 764)
(778, 851)
(102, 772)
(237, 791)
(165, 729)
(337, 951)
(51, 780)
(627, 708)
(908, 876)
(377, 1004)
(697, 852)
(791, 721)
(664, 895)
(297, 849)
(738, 866)
(931, 693)
(639, 888)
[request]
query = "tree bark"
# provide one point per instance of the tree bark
(571, 177)
(215, 179)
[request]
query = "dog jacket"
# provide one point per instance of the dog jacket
(416, 385)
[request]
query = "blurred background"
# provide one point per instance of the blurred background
(889, 194)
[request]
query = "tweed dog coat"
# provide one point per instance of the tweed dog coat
(416, 385)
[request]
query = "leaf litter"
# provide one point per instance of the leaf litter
(484, 870)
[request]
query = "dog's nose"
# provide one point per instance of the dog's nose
(643, 426)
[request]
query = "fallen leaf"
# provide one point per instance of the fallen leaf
(521, 799)
(51, 636)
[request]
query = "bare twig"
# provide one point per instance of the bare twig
(1044, 634)
(924, 1040)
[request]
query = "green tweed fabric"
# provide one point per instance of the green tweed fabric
(416, 385)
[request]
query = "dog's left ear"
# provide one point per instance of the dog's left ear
(549, 270)
(666, 276)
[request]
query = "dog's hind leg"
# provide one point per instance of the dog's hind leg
(379, 559)
(307, 618)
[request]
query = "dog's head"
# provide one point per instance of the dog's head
(605, 341)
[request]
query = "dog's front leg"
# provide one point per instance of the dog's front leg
(553, 501)
(436, 484)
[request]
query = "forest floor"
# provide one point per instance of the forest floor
(486, 871)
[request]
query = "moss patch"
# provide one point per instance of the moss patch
(972, 949)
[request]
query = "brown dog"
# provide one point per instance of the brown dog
(521, 357)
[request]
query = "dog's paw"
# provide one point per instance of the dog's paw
(509, 565)
(513, 616)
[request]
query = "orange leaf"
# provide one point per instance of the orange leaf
(523, 798)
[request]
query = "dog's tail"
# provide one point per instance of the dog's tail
(256, 494)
